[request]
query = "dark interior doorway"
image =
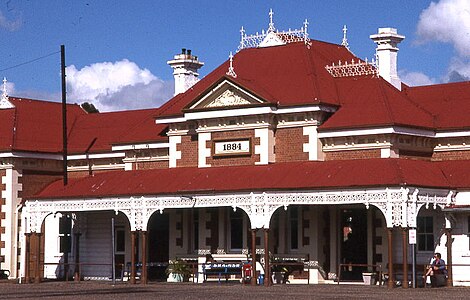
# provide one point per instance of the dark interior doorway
(158, 246)
(353, 242)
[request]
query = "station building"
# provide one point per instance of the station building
(292, 150)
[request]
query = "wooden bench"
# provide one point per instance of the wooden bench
(223, 265)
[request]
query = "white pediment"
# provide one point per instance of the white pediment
(226, 94)
(5, 103)
(271, 39)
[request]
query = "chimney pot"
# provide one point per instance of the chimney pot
(183, 51)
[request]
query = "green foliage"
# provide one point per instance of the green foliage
(178, 266)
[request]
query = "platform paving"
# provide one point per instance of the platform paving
(105, 290)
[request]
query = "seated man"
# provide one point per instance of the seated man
(437, 271)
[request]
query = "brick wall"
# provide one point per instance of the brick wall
(451, 155)
(234, 160)
(188, 148)
(34, 181)
(163, 164)
(289, 145)
(353, 154)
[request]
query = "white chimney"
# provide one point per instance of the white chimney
(387, 40)
(185, 66)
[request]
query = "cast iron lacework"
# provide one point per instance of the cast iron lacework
(345, 69)
(273, 37)
(399, 206)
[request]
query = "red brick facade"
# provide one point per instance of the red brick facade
(33, 182)
(451, 155)
(188, 148)
(163, 164)
(234, 160)
(353, 154)
(289, 145)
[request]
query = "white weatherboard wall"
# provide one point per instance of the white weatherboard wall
(52, 247)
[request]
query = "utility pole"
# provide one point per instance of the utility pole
(64, 114)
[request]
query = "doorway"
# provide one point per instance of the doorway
(353, 242)
(158, 246)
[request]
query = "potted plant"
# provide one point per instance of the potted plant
(178, 271)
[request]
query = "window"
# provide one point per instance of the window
(425, 232)
(236, 229)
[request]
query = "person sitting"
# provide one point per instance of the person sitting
(437, 271)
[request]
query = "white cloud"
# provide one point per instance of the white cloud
(116, 86)
(415, 78)
(459, 70)
(447, 21)
(9, 25)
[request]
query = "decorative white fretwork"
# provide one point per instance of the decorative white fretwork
(400, 206)
(273, 37)
(4, 100)
(231, 70)
(353, 68)
(345, 39)
(228, 98)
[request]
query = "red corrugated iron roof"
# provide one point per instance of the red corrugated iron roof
(368, 101)
(34, 125)
(313, 175)
(111, 128)
(450, 103)
(286, 75)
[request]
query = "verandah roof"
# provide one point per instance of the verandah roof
(313, 175)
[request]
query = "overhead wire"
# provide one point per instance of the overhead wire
(29, 61)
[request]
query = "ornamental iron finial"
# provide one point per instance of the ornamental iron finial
(4, 94)
(271, 23)
(345, 39)
(231, 70)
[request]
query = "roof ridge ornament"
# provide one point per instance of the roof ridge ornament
(271, 23)
(231, 70)
(274, 37)
(359, 68)
(4, 100)
(345, 38)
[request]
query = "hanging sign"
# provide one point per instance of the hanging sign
(412, 236)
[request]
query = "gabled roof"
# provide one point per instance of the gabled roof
(285, 75)
(34, 125)
(313, 175)
(450, 103)
(122, 127)
(294, 74)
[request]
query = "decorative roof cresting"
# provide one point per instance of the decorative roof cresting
(274, 37)
(231, 70)
(4, 100)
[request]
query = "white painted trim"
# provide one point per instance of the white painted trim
(30, 155)
(96, 167)
(224, 128)
(247, 111)
(329, 148)
(146, 159)
(311, 147)
(174, 154)
(443, 134)
(96, 156)
(203, 151)
(375, 131)
(140, 146)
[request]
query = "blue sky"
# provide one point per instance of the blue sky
(116, 51)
